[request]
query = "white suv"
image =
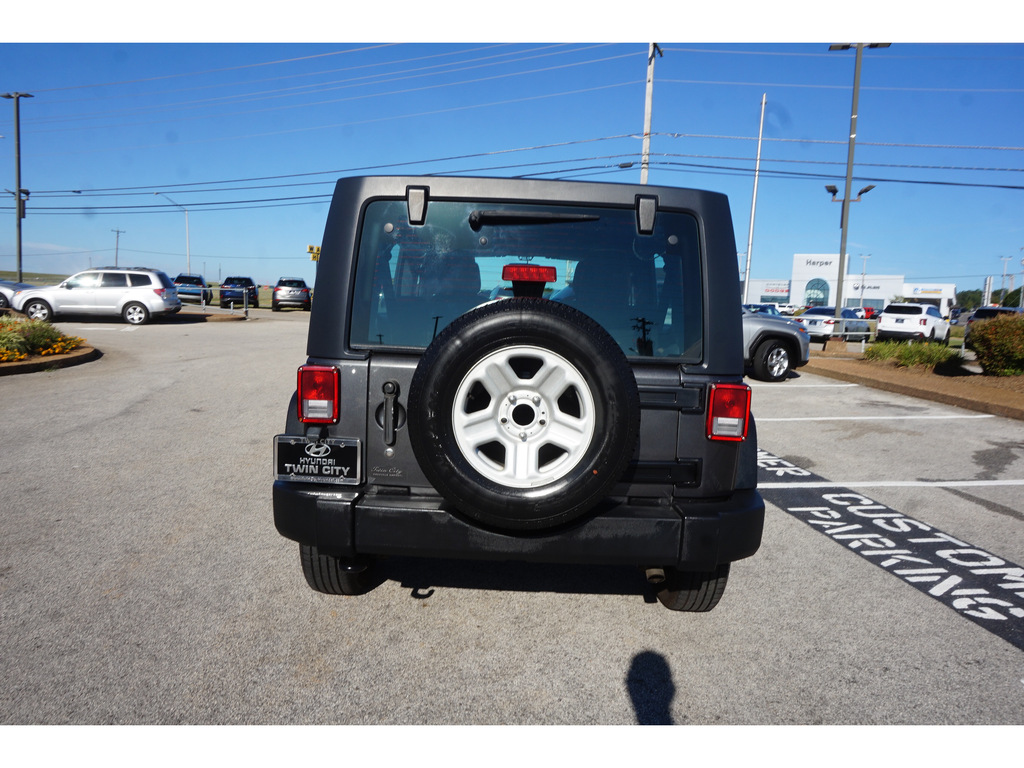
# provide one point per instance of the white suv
(912, 321)
(134, 293)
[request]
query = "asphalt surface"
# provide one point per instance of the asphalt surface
(142, 580)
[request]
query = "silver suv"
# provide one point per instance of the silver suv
(134, 293)
(773, 345)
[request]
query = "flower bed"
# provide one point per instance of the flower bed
(20, 339)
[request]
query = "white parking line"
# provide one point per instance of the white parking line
(879, 418)
(897, 484)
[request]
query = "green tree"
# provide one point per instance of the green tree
(968, 299)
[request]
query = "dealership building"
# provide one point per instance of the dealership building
(814, 282)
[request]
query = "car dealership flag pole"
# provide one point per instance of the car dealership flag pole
(753, 203)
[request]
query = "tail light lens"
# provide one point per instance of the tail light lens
(728, 412)
(319, 387)
(528, 273)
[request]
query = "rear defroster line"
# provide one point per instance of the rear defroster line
(977, 584)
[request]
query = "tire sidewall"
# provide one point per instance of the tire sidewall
(527, 322)
(47, 312)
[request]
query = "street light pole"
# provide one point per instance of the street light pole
(117, 242)
(19, 207)
(849, 163)
(188, 255)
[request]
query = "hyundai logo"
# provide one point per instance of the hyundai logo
(317, 449)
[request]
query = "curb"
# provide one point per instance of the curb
(972, 404)
(36, 363)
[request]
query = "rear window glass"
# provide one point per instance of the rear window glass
(188, 280)
(412, 281)
(139, 278)
(292, 283)
(894, 309)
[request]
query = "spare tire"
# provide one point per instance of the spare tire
(523, 413)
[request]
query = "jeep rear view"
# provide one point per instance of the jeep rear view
(539, 371)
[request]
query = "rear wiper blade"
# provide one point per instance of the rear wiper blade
(477, 219)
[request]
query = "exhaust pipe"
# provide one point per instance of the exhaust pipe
(655, 575)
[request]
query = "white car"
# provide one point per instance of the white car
(919, 322)
(135, 294)
(8, 289)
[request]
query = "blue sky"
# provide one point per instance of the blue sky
(250, 137)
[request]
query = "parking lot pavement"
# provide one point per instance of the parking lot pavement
(142, 580)
(927, 492)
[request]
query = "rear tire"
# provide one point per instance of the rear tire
(135, 313)
(332, 575)
(693, 591)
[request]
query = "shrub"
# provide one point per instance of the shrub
(12, 345)
(20, 338)
(928, 355)
(999, 345)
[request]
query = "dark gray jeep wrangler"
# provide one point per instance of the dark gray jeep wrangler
(506, 369)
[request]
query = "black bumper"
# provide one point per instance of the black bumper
(687, 535)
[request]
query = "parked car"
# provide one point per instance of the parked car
(193, 287)
(238, 290)
(787, 309)
(773, 345)
(134, 293)
(8, 289)
(820, 323)
(291, 292)
(612, 426)
(765, 309)
(912, 321)
(987, 313)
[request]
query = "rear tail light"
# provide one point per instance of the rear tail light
(160, 292)
(728, 412)
(319, 387)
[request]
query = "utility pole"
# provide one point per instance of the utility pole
(117, 241)
(1002, 296)
(19, 212)
(646, 156)
(1022, 281)
(849, 163)
(753, 202)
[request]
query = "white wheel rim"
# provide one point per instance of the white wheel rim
(135, 315)
(778, 361)
(37, 312)
(533, 427)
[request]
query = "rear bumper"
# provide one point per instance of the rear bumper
(689, 536)
(900, 335)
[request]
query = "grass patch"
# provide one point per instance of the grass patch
(926, 355)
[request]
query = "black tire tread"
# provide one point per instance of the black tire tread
(330, 575)
(693, 591)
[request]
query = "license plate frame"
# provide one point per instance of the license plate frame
(333, 460)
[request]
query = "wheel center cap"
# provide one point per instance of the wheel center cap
(523, 414)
